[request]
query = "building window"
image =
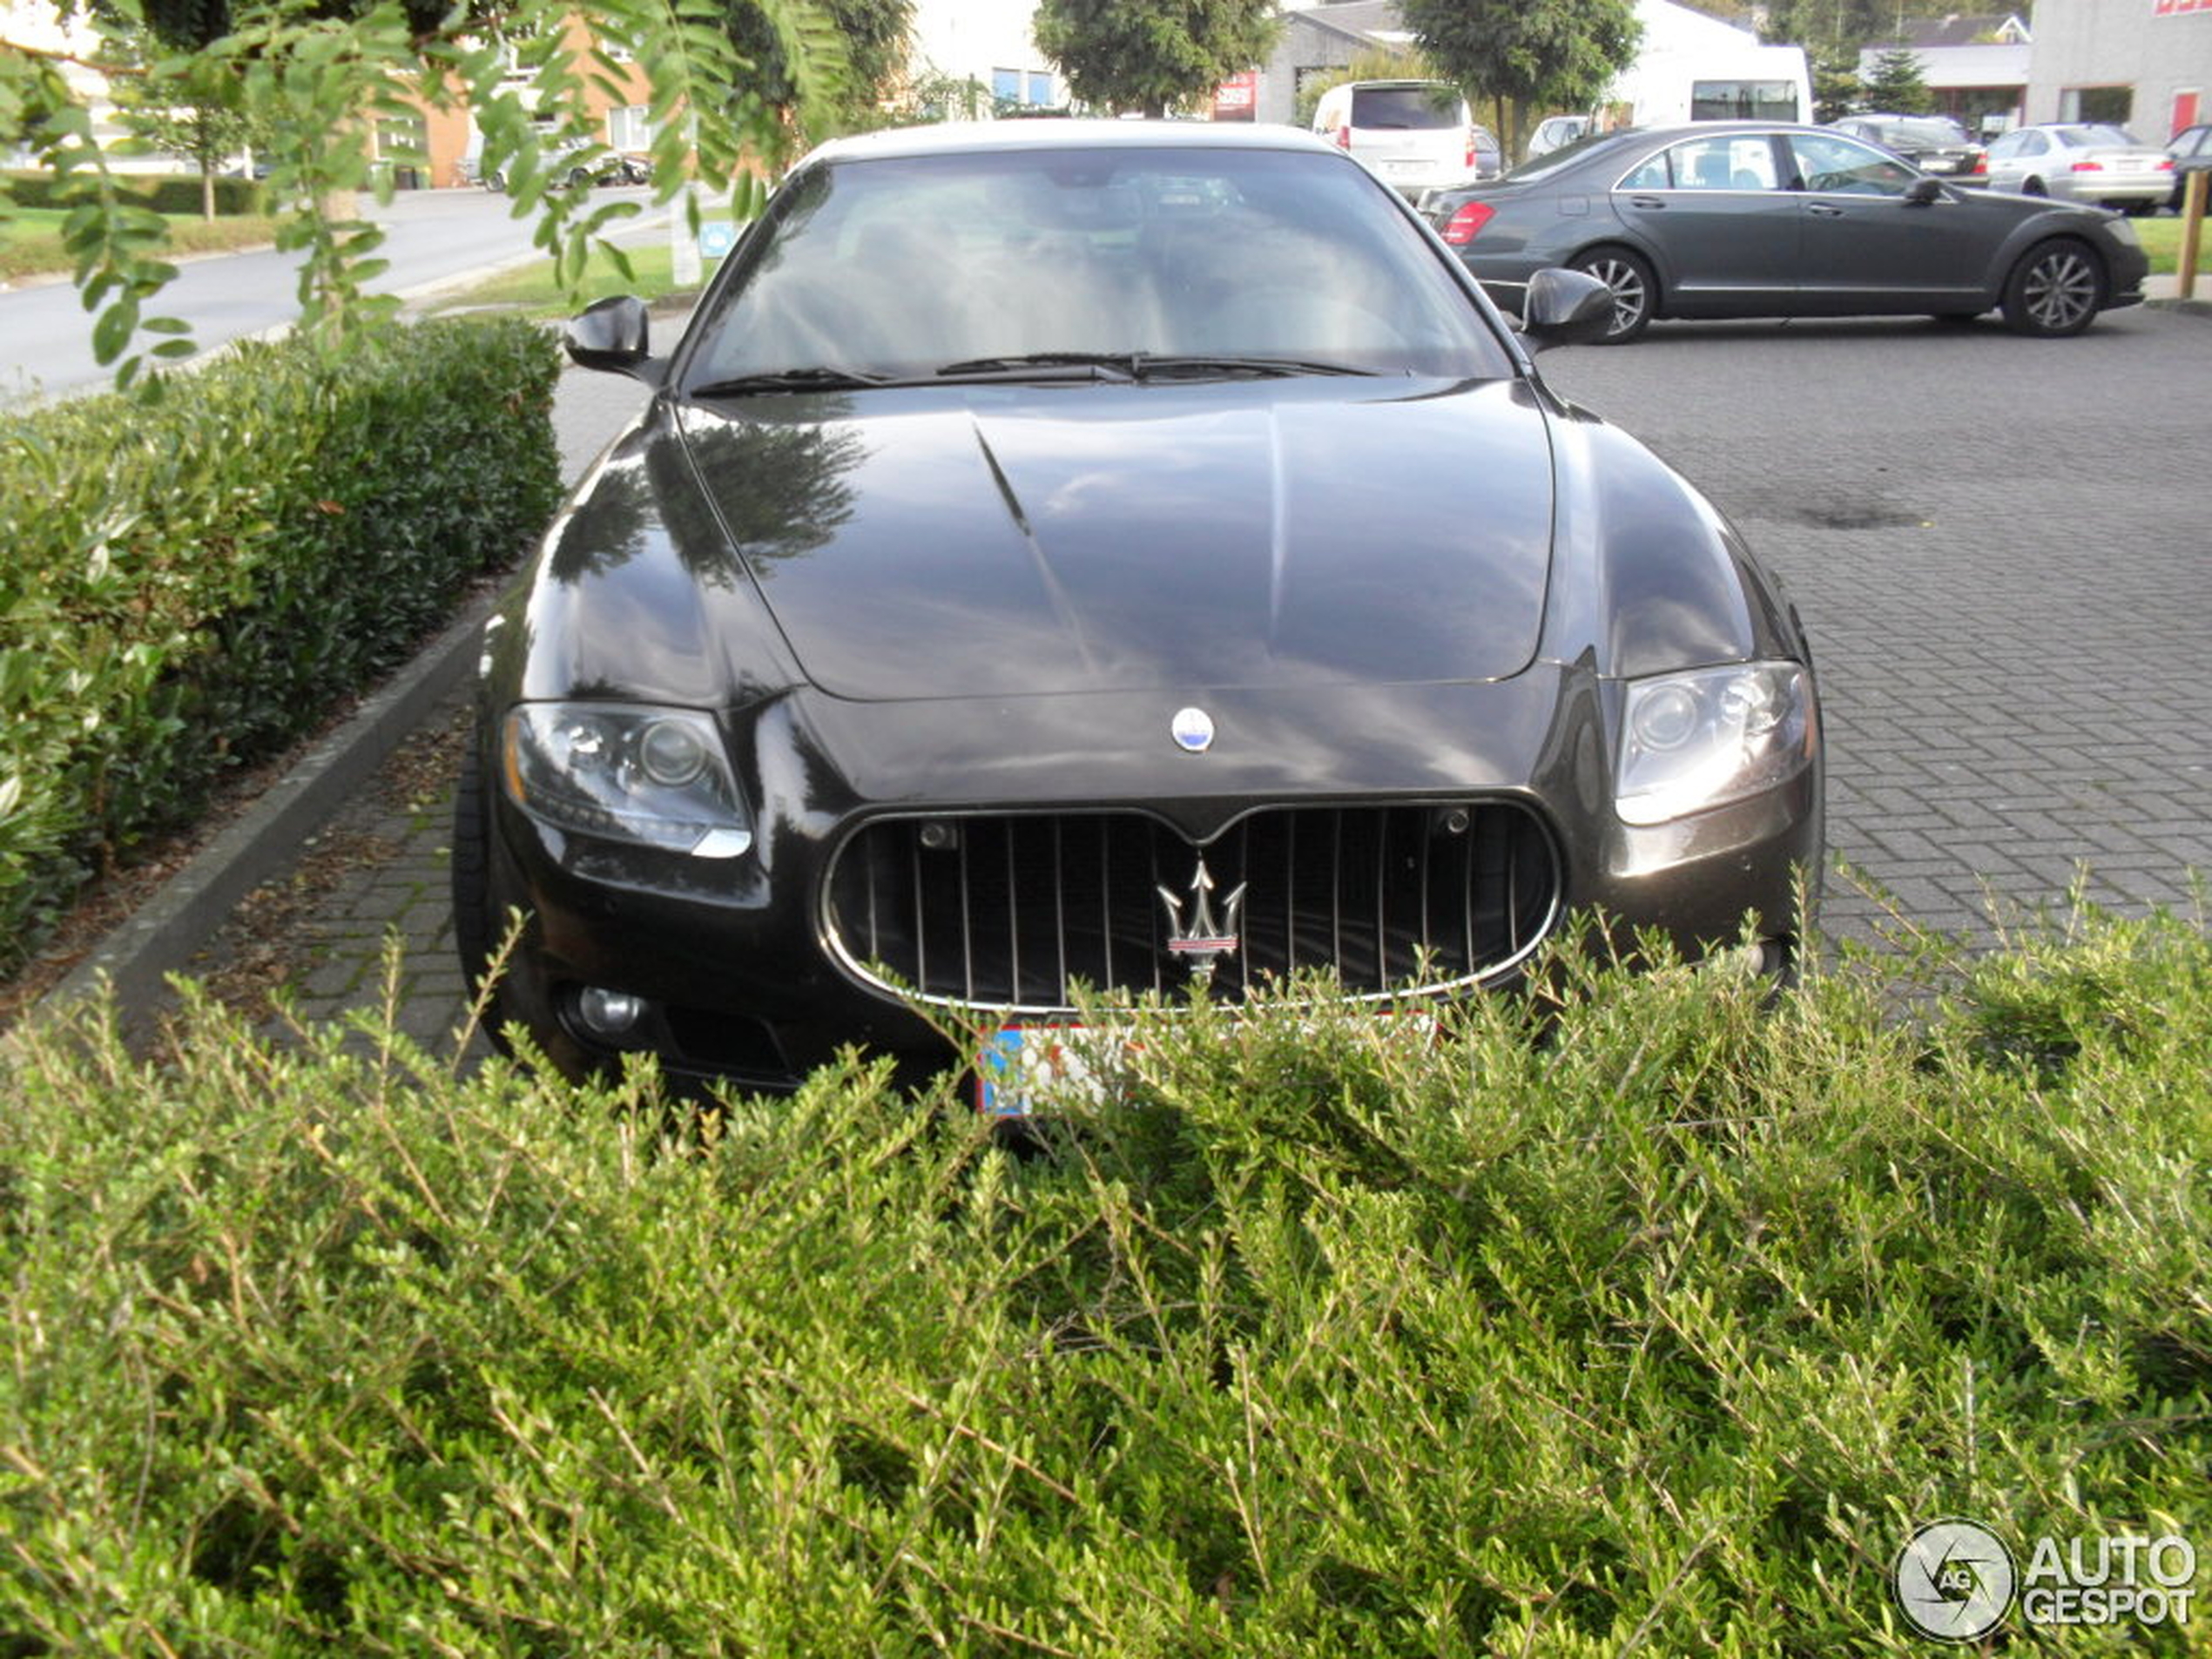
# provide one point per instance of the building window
(1006, 85)
(1040, 88)
(2112, 105)
(629, 129)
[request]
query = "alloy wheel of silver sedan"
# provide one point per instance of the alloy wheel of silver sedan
(2055, 291)
(1633, 290)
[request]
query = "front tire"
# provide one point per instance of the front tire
(2056, 290)
(1635, 290)
(474, 936)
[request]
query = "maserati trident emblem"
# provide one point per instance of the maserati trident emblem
(1192, 730)
(1204, 942)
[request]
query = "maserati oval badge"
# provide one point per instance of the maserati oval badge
(1192, 730)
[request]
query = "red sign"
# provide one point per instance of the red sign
(2176, 8)
(1237, 99)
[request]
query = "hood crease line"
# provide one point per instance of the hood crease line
(1071, 618)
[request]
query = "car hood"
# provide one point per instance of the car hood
(994, 541)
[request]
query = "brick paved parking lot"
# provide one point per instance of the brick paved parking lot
(2002, 548)
(2003, 551)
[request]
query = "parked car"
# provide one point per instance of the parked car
(1124, 553)
(1758, 220)
(580, 164)
(1934, 143)
(1415, 135)
(2191, 151)
(1555, 132)
(2080, 163)
(1489, 156)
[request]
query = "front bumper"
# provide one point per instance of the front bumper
(740, 980)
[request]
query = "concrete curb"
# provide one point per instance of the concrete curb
(161, 938)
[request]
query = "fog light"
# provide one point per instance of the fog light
(611, 1014)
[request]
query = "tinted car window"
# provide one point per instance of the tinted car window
(1728, 163)
(1405, 107)
(899, 265)
(1832, 166)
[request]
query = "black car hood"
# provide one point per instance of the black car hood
(997, 541)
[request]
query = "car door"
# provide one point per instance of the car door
(2013, 157)
(1868, 247)
(1725, 232)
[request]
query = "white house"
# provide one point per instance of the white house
(39, 25)
(984, 41)
(1975, 63)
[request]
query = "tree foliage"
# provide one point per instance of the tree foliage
(1153, 56)
(873, 34)
(320, 81)
(1527, 55)
(1897, 84)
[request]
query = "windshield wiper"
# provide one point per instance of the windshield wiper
(1150, 363)
(822, 377)
(1097, 361)
(1142, 365)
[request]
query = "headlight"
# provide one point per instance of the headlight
(626, 771)
(1700, 740)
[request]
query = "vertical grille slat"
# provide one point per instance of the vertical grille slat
(1009, 909)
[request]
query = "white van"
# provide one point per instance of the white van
(1413, 135)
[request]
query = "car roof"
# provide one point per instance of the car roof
(970, 138)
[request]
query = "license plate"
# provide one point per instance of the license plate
(1024, 1066)
(1021, 1064)
(1403, 166)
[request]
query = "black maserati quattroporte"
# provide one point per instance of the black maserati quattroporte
(1121, 553)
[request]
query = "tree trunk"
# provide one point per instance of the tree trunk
(207, 191)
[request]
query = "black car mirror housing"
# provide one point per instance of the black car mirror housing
(613, 334)
(1923, 192)
(1564, 308)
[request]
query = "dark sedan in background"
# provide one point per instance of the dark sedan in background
(2191, 152)
(1934, 143)
(1753, 219)
(1131, 554)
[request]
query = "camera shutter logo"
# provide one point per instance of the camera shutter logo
(1953, 1580)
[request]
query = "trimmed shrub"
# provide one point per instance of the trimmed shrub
(163, 192)
(189, 586)
(1658, 1330)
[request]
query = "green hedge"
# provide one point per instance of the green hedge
(163, 192)
(190, 586)
(1658, 1333)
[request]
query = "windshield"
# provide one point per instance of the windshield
(902, 267)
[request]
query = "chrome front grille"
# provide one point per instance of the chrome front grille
(1005, 910)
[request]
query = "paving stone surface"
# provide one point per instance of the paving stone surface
(2001, 547)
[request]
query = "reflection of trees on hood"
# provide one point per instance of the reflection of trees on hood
(780, 488)
(607, 528)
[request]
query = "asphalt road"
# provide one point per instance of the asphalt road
(1999, 546)
(431, 236)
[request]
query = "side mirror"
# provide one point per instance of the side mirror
(1922, 192)
(613, 334)
(1564, 308)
